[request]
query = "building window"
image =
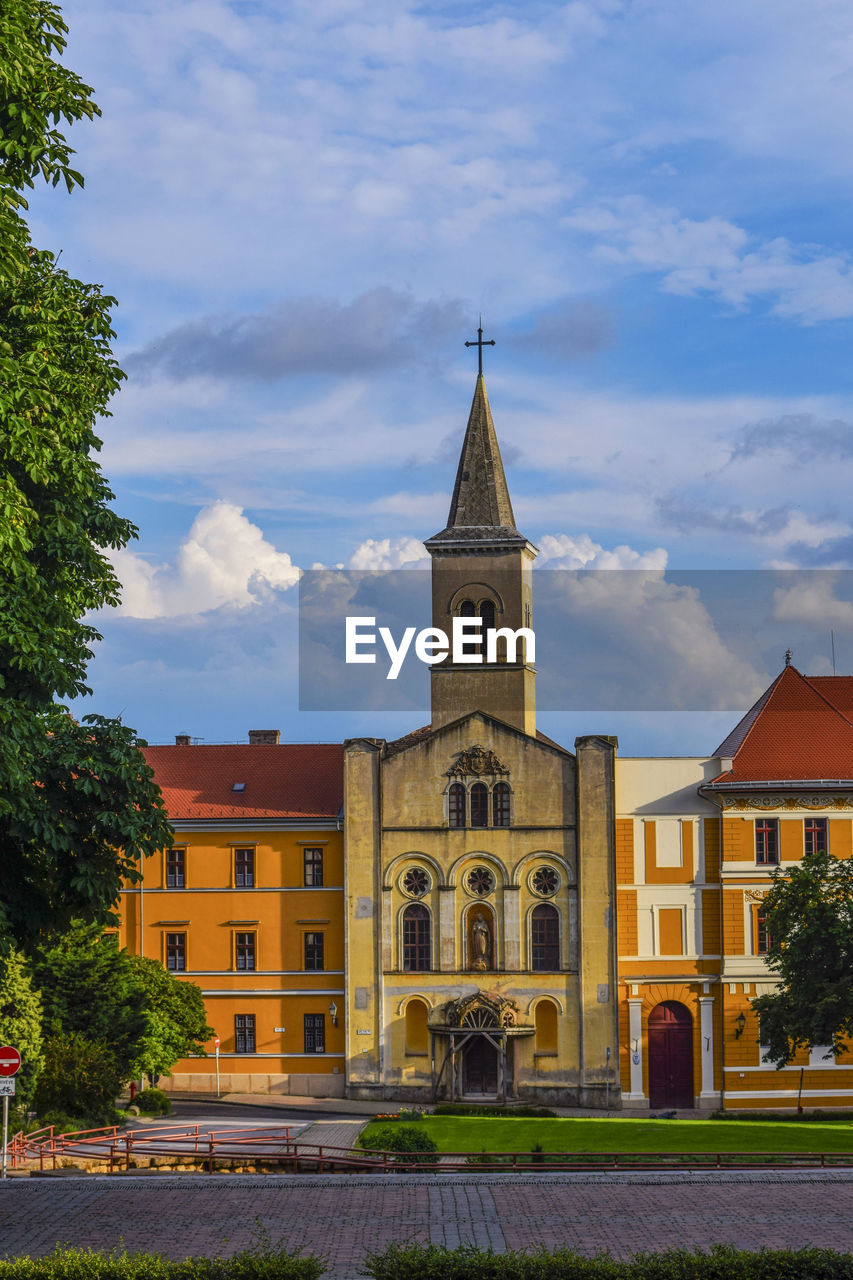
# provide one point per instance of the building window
(417, 1027)
(244, 1032)
(417, 949)
(315, 1033)
(762, 938)
(456, 805)
(767, 841)
(500, 805)
(245, 950)
(487, 613)
(815, 835)
(176, 952)
(545, 939)
(545, 1023)
(176, 869)
(479, 805)
(244, 868)
(314, 950)
(313, 863)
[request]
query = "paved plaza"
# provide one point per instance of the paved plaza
(343, 1216)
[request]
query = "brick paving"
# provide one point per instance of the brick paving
(342, 1217)
(332, 1133)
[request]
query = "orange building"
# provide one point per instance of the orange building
(248, 904)
(696, 843)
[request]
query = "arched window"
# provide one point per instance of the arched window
(545, 939)
(417, 1027)
(417, 949)
(479, 805)
(467, 609)
(456, 805)
(500, 805)
(487, 613)
(545, 1022)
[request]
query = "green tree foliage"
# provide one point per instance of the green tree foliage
(80, 1078)
(89, 987)
(21, 1022)
(177, 1020)
(78, 805)
(809, 914)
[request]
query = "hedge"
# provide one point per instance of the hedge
(85, 1264)
(509, 1113)
(433, 1262)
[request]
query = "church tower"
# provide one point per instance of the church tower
(482, 567)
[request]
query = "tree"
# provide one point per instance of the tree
(809, 918)
(78, 805)
(90, 987)
(177, 1019)
(21, 1022)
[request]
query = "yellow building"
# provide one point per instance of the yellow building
(697, 842)
(480, 951)
(249, 906)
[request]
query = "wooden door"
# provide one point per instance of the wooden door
(480, 1066)
(670, 1056)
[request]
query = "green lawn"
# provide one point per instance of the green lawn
(476, 1133)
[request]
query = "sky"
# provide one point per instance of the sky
(303, 208)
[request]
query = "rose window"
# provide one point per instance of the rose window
(415, 882)
(545, 882)
(480, 881)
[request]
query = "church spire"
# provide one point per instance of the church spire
(480, 495)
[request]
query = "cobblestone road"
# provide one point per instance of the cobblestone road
(344, 1217)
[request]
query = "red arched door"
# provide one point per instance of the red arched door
(670, 1056)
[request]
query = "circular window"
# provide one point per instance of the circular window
(480, 881)
(416, 882)
(545, 881)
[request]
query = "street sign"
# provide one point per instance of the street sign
(10, 1060)
(7, 1086)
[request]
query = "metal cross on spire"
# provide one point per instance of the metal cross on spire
(479, 344)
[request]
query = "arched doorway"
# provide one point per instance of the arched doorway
(670, 1056)
(480, 1054)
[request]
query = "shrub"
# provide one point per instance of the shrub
(80, 1077)
(506, 1113)
(153, 1102)
(84, 1264)
(434, 1262)
(402, 1138)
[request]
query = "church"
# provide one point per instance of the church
(476, 912)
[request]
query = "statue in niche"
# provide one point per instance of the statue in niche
(481, 940)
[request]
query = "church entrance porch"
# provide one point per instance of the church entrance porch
(671, 1056)
(474, 1058)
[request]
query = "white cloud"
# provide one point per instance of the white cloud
(811, 599)
(714, 256)
(389, 553)
(563, 551)
(225, 560)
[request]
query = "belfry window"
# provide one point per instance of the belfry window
(479, 805)
(500, 805)
(467, 609)
(456, 805)
(417, 949)
(487, 613)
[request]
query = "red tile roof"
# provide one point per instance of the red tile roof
(800, 729)
(291, 780)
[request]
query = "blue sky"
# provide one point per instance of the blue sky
(303, 207)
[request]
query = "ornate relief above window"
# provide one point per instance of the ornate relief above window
(476, 762)
(415, 882)
(480, 882)
(545, 882)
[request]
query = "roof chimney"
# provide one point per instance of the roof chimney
(183, 740)
(264, 737)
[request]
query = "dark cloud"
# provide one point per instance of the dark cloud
(574, 330)
(831, 553)
(379, 329)
(689, 517)
(799, 434)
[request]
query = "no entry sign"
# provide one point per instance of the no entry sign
(10, 1060)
